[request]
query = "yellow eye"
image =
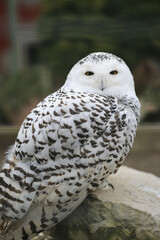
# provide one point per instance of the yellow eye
(89, 73)
(114, 72)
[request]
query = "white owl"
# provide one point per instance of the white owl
(68, 145)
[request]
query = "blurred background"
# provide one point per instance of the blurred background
(40, 40)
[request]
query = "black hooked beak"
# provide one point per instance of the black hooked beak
(102, 85)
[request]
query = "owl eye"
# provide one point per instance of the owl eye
(114, 72)
(89, 73)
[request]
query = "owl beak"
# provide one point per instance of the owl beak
(102, 85)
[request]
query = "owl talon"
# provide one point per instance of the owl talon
(110, 185)
(106, 186)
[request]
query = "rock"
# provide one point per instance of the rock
(130, 212)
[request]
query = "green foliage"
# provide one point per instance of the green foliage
(71, 29)
(112, 8)
(17, 91)
(152, 92)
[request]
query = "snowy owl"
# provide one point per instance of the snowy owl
(68, 145)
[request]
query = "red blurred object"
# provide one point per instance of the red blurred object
(4, 31)
(4, 26)
(28, 12)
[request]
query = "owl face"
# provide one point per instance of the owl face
(102, 73)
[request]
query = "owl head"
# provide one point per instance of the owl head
(102, 73)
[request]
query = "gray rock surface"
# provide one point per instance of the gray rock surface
(130, 212)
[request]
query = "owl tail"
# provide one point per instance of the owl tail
(40, 217)
(15, 197)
